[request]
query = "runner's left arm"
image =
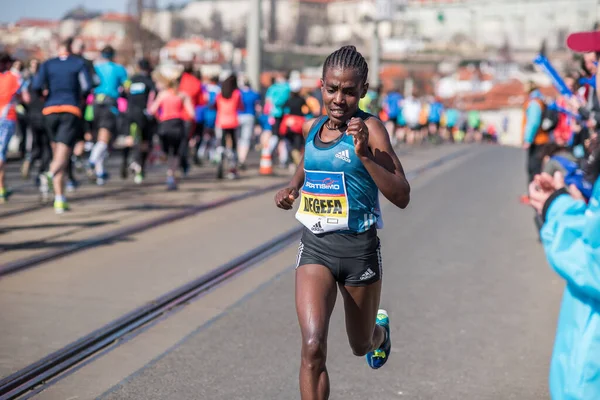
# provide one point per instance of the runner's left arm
(123, 78)
(382, 162)
(85, 80)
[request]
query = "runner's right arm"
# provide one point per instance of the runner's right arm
(153, 110)
(284, 199)
(40, 80)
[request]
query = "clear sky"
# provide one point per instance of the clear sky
(13, 10)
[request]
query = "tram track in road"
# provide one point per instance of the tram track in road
(34, 378)
(70, 248)
(45, 369)
(119, 233)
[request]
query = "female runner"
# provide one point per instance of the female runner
(348, 160)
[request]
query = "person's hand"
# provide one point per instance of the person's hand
(542, 187)
(526, 146)
(538, 196)
(576, 193)
(555, 182)
(360, 134)
(285, 198)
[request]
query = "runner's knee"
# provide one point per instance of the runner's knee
(314, 352)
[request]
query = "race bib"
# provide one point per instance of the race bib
(324, 202)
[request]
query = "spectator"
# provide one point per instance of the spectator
(572, 246)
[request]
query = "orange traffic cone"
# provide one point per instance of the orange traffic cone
(266, 164)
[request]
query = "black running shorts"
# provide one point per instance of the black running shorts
(143, 122)
(105, 116)
(65, 128)
(172, 134)
(353, 259)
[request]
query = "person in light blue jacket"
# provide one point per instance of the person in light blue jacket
(571, 239)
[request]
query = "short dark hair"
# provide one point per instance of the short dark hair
(145, 65)
(347, 57)
(68, 43)
(108, 52)
(5, 57)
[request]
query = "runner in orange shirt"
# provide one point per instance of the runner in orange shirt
(10, 85)
(190, 84)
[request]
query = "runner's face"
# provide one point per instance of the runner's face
(342, 89)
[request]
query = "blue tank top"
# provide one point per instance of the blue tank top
(338, 194)
(112, 77)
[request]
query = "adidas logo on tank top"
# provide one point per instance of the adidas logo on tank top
(343, 155)
(317, 227)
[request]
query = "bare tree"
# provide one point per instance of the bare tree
(180, 27)
(217, 28)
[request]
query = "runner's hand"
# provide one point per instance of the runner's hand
(360, 133)
(284, 199)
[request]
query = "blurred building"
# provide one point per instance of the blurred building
(524, 24)
(415, 25)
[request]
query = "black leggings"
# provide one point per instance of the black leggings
(231, 132)
(40, 147)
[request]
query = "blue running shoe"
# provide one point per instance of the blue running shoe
(71, 185)
(377, 358)
(101, 179)
(171, 183)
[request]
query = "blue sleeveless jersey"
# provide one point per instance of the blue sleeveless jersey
(338, 194)
(112, 77)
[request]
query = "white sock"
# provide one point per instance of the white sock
(284, 153)
(99, 152)
(273, 143)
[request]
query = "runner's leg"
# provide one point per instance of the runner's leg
(361, 304)
(315, 299)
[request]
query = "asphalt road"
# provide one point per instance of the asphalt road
(54, 303)
(472, 303)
